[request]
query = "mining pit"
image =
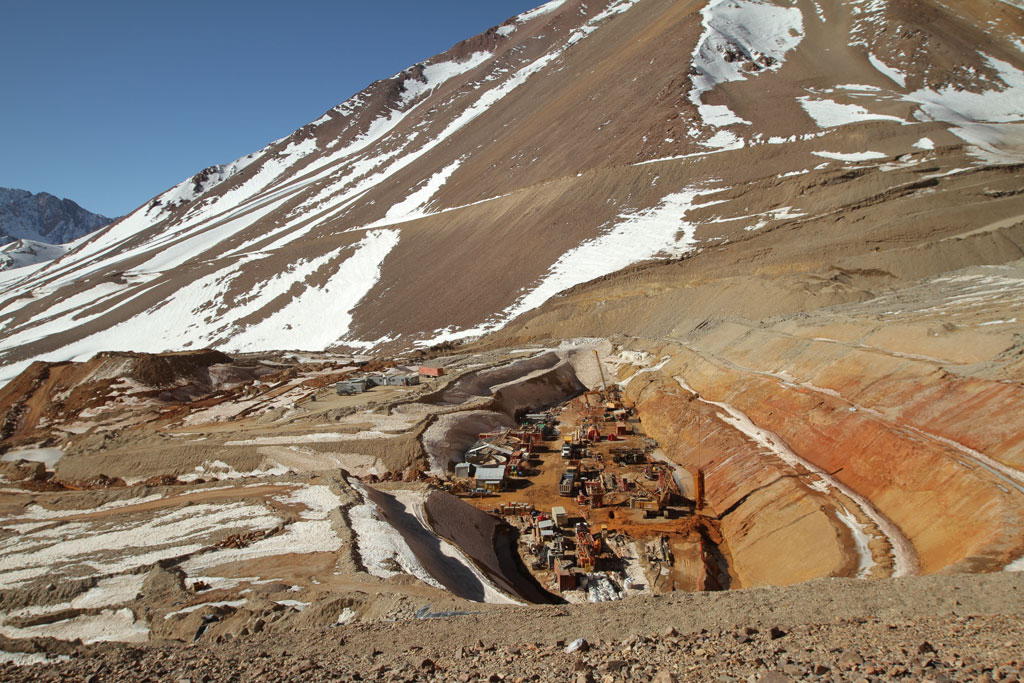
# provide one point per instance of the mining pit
(202, 498)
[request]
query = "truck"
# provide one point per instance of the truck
(567, 484)
(560, 516)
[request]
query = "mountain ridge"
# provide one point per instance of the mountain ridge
(42, 217)
(563, 145)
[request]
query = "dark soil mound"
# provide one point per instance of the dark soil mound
(161, 370)
(489, 542)
(447, 571)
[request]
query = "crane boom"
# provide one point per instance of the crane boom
(600, 370)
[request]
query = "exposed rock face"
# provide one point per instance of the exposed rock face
(770, 519)
(44, 218)
(833, 436)
(61, 393)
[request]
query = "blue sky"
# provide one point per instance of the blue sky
(110, 102)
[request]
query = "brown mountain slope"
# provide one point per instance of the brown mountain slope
(560, 147)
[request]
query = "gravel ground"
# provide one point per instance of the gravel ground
(950, 628)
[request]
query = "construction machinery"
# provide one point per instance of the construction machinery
(567, 484)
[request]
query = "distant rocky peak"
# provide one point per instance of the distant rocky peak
(44, 218)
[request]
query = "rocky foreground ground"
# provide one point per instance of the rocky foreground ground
(955, 628)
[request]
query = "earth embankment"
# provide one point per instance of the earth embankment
(489, 399)
(489, 542)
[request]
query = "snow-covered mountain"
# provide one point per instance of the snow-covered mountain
(44, 218)
(21, 253)
(562, 146)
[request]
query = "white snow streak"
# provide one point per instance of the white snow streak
(415, 205)
(437, 74)
(314, 533)
(90, 548)
(1003, 105)
(28, 659)
(828, 114)
(106, 626)
(546, 8)
(660, 231)
(850, 156)
(26, 252)
(321, 315)
(47, 456)
(899, 77)
(861, 541)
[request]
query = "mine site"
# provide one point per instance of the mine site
(317, 475)
(201, 498)
(624, 340)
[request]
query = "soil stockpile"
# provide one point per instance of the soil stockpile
(962, 628)
(491, 544)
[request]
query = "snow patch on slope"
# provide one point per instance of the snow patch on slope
(106, 626)
(321, 316)
(850, 156)
(312, 533)
(94, 548)
(198, 220)
(437, 74)
(865, 14)
(28, 253)
(989, 120)
(999, 105)
(546, 8)
(616, 7)
(896, 75)
(828, 113)
(861, 540)
(739, 33)
(199, 313)
(659, 231)
(201, 240)
(204, 181)
(414, 206)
